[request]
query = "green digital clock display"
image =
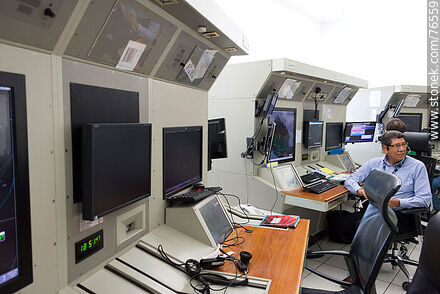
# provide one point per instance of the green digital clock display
(88, 246)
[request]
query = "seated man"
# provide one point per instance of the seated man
(396, 124)
(415, 190)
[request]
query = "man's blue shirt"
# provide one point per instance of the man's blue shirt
(415, 190)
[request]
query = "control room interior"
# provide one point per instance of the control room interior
(201, 146)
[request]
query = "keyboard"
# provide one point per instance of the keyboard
(311, 177)
(195, 195)
(321, 187)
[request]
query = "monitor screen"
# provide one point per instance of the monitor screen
(116, 166)
(359, 131)
(217, 138)
(413, 121)
(269, 104)
(214, 216)
(15, 223)
(182, 158)
(313, 134)
(283, 146)
(333, 135)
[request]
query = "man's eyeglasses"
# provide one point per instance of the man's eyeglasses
(404, 145)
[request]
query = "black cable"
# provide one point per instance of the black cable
(276, 190)
(239, 205)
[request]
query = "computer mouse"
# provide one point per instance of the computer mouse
(198, 187)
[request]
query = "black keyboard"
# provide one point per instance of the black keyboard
(311, 177)
(195, 195)
(321, 187)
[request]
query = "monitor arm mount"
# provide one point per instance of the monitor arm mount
(381, 115)
(317, 91)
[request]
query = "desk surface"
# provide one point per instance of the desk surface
(276, 254)
(323, 197)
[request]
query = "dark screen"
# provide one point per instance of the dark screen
(283, 146)
(182, 158)
(217, 138)
(116, 166)
(333, 135)
(8, 233)
(216, 220)
(413, 121)
(15, 222)
(359, 131)
(90, 105)
(313, 133)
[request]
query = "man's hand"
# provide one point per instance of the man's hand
(394, 202)
(361, 192)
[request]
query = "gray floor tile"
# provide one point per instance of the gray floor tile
(305, 273)
(393, 289)
(330, 245)
(386, 273)
(313, 263)
(400, 277)
(337, 261)
(381, 286)
(320, 259)
(316, 282)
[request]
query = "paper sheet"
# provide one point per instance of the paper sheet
(131, 55)
(342, 95)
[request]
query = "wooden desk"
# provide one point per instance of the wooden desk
(321, 202)
(276, 254)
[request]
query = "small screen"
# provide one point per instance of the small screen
(283, 146)
(182, 158)
(313, 134)
(413, 121)
(89, 245)
(8, 222)
(359, 132)
(217, 138)
(116, 162)
(333, 135)
(216, 220)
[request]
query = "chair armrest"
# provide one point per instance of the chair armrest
(333, 252)
(327, 277)
(416, 210)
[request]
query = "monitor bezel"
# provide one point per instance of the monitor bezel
(359, 122)
(88, 203)
(197, 128)
(22, 192)
(294, 135)
(342, 135)
(418, 114)
(307, 142)
(222, 123)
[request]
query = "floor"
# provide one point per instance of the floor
(389, 281)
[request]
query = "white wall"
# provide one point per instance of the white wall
(383, 42)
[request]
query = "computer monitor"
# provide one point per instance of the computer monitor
(333, 135)
(182, 158)
(312, 134)
(413, 121)
(217, 138)
(356, 132)
(283, 146)
(205, 221)
(15, 222)
(116, 167)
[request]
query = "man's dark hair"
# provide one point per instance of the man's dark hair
(396, 124)
(388, 136)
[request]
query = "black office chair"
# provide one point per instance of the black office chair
(427, 277)
(372, 239)
(411, 219)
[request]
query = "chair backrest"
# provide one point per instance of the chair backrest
(427, 276)
(430, 163)
(418, 142)
(376, 229)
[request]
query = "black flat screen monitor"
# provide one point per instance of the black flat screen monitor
(283, 146)
(413, 121)
(116, 167)
(313, 134)
(182, 158)
(356, 132)
(15, 223)
(217, 138)
(333, 135)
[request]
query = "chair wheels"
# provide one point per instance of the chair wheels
(405, 285)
